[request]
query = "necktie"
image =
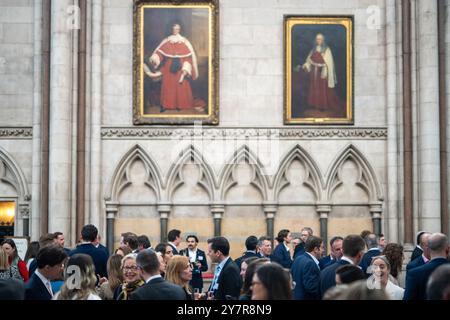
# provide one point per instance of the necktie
(49, 287)
(216, 276)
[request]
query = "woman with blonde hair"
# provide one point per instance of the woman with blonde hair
(179, 271)
(79, 279)
(131, 278)
(107, 286)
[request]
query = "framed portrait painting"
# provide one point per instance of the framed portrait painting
(176, 62)
(318, 82)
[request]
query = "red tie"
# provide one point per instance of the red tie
(49, 288)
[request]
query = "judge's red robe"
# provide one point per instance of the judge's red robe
(320, 95)
(175, 94)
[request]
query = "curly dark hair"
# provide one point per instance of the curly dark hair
(394, 254)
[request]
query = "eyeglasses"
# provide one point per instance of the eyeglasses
(132, 268)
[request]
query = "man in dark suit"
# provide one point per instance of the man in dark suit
(299, 248)
(87, 246)
(416, 279)
(418, 250)
(250, 243)
(227, 282)
(198, 261)
(130, 240)
(174, 237)
(155, 287)
(50, 266)
(353, 249)
(424, 257)
(335, 254)
(306, 271)
(264, 247)
(59, 239)
(373, 251)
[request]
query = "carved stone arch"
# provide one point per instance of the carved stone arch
(367, 178)
(313, 177)
(259, 178)
(206, 175)
(120, 179)
(10, 173)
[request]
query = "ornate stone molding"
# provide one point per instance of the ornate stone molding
(306, 133)
(16, 133)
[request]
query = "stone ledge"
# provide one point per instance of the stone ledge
(16, 132)
(284, 133)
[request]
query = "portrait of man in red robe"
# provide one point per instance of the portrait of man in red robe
(175, 62)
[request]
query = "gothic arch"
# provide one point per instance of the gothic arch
(15, 178)
(120, 179)
(313, 177)
(206, 177)
(259, 179)
(366, 179)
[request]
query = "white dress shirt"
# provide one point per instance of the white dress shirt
(153, 277)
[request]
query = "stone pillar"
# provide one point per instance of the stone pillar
(111, 211)
(323, 210)
(24, 209)
(270, 210)
(376, 209)
(217, 210)
(164, 212)
(428, 116)
(60, 159)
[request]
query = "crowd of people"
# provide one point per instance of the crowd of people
(358, 267)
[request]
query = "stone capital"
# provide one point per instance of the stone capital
(376, 208)
(323, 209)
(217, 210)
(164, 209)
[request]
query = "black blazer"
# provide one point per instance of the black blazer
(230, 282)
(36, 290)
(299, 250)
(417, 278)
(417, 252)
(367, 260)
(281, 256)
(306, 274)
(328, 276)
(174, 249)
(12, 289)
(247, 254)
(325, 262)
(159, 289)
(98, 255)
(197, 279)
(417, 262)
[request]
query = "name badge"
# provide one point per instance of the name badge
(216, 286)
(200, 258)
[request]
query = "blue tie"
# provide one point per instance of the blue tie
(216, 276)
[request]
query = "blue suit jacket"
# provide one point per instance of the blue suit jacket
(416, 279)
(299, 250)
(282, 256)
(306, 274)
(367, 259)
(415, 263)
(328, 276)
(325, 262)
(36, 290)
(98, 255)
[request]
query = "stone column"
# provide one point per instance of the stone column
(60, 159)
(111, 211)
(24, 209)
(428, 116)
(270, 210)
(376, 209)
(323, 210)
(164, 212)
(217, 210)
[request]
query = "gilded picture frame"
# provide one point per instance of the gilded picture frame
(175, 62)
(318, 70)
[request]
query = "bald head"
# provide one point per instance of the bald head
(423, 239)
(438, 244)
